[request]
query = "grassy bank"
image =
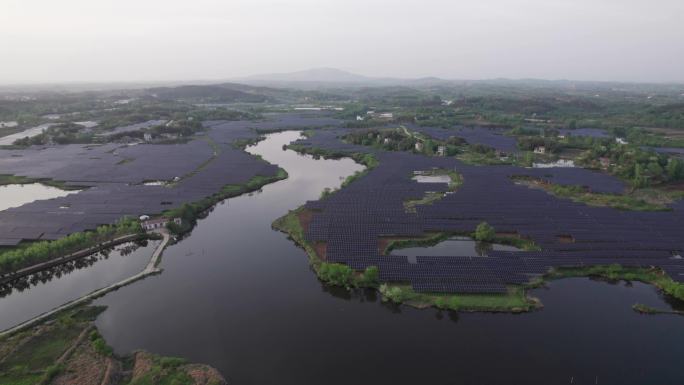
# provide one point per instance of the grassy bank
(15, 179)
(645, 309)
(335, 274)
(433, 239)
(68, 349)
(653, 276)
(32, 253)
(637, 200)
(455, 181)
(190, 212)
(515, 300)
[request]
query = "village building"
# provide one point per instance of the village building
(419, 146)
(159, 223)
(441, 150)
(540, 150)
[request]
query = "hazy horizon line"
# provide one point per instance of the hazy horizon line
(370, 79)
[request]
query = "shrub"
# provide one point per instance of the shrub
(370, 277)
(335, 274)
(484, 232)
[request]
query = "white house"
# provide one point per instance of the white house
(620, 141)
(159, 223)
(540, 150)
(441, 150)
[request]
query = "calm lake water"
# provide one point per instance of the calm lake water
(61, 285)
(15, 195)
(241, 297)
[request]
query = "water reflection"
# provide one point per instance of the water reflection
(454, 246)
(15, 195)
(29, 296)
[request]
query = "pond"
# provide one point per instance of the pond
(240, 296)
(42, 292)
(454, 246)
(15, 195)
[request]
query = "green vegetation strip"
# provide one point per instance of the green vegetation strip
(15, 179)
(456, 180)
(190, 212)
(37, 252)
(637, 200)
(653, 276)
(515, 300)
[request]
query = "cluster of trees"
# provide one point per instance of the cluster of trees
(399, 140)
(642, 168)
(529, 143)
(389, 139)
(184, 127)
(342, 275)
(65, 133)
(15, 259)
(638, 136)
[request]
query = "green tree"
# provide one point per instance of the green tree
(484, 232)
(675, 169)
(371, 276)
(335, 274)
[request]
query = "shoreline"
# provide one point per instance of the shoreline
(150, 269)
(292, 225)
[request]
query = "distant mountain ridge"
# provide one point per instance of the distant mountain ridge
(332, 77)
(321, 75)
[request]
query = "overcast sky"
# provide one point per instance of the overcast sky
(151, 40)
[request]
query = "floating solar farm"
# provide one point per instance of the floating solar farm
(353, 221)
(113, 177)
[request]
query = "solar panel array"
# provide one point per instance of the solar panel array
(490, 136)
(116, 188)
(352, 221)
